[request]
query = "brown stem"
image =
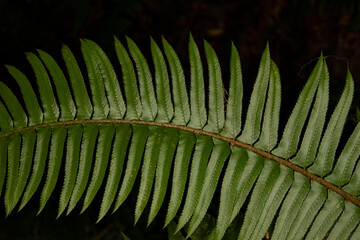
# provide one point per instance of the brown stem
(232, 141)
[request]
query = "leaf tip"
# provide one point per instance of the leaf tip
(191, 38)
(58, 215)
(129, 40)
(29, 55)
(349, 75)
(68, 212)
(178, 228)
(9, 68)
(83, 209)
(83, 41)
(40, 52)
(153, 44)
(267, 49)
(165, 42)
(101, 216)
(40, 210)
(233, 45)
(152, 39)
(136, 219)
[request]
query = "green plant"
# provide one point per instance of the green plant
(294, 184)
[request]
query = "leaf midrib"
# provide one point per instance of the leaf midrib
(232, 141)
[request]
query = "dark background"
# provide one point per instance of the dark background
(297, 30)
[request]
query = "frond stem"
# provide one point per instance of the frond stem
(232, 141)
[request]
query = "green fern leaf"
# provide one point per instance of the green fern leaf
(215, 178)
(233, 172)
(324, 162)
(6, 123)
(346, 223)
(331, 210)
(58, 136)
(346, 162)
(103, 149)
(254, 115)
(41, 153)
(17, 113)
(14, 149)
(67, 107)
(307, 211)
(84, 108)
(291, 206)
(253, 168)
(99, 100)
(117, 106)
(180, 96)
(139, 138)
(171, 137)
(181, 163)
(269, 131)
(216, 94)
(3, 158)
(311, 139)
(149, 105)
(288, 144)
(197, 92)
(48, 102)
(151, 157)
(217, 159)
(32, 105)
(133, 103)
(116, 166)
(234, 101)
(28, 141)
(74, 135)
(88, 142)
(263, 187)
(202, 153)
(165, 108)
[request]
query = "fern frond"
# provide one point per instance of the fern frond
(175, 145)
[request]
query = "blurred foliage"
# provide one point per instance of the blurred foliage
(46, 24)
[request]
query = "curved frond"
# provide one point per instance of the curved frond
(178, 155)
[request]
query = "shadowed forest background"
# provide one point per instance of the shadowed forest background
(297, 30)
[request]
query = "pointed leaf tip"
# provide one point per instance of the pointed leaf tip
(326, 154)
(216, 93)
(165, 108)
(254, 115)
(291, 135)
(197, 91)
(146, 87)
